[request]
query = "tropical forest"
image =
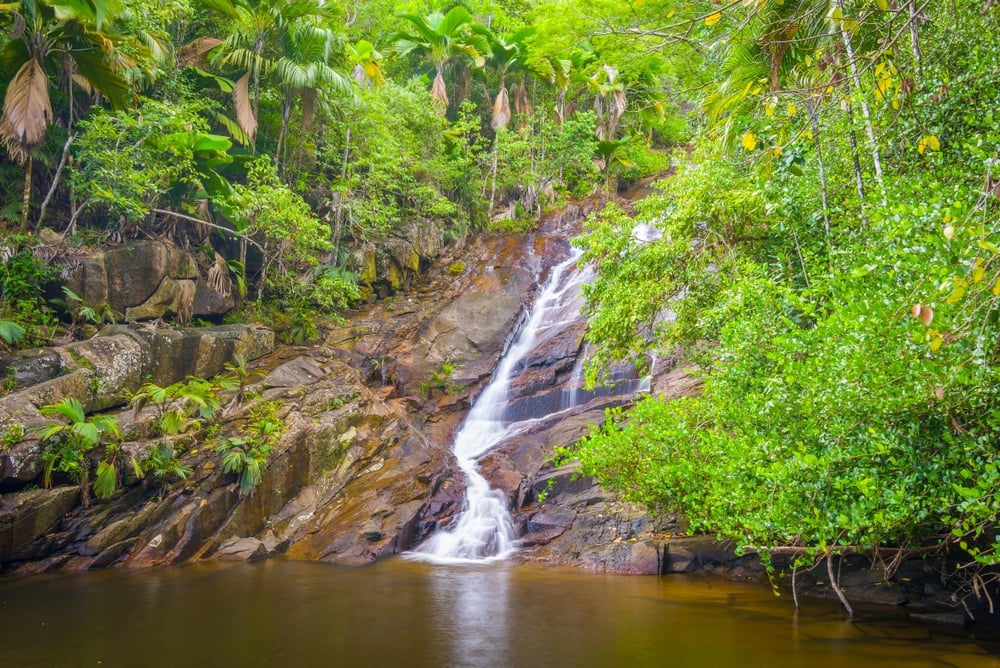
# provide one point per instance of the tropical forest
(628, 286)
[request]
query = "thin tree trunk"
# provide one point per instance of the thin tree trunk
(493, 186)
(338, 217)
(55, 180)
(286, 113)
(814, 121)
(859, 179)
(865, 111)
(914, 34)
(26, 201)
(835, 585)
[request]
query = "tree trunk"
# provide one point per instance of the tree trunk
(914, 34)
(865, 111)
(26, 201)
(55, 180)
(857, 163)
(814, 121)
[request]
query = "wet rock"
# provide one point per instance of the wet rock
(26, 516)
(243, 549)
(30, 367)
(129, 276)
(469, 333)
(945, 618)
(173, 298)
(299, 371)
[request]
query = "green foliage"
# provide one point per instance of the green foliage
(439, 380)
(247, 456)
(158, 155)
(847, 353)
(25, 316)
(181, 406)
(164, 465)
(12, 435)
(68, 440)
(399, 163)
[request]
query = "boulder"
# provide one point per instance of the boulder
(172, 298)
(29, 515)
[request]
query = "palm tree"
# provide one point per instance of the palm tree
(439, 38)
(72, 39)
(304, 71)
(286, 41)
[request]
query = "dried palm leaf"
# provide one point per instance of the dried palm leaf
(501, 111)
(27, 110)
(244, 107)
(218, 277)
(438, 91)
(194, 53)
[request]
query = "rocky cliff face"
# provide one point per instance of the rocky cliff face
(364, 469)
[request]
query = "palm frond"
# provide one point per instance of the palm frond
(27, 110)
(244, 108)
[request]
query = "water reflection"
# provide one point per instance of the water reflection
(472, 614)
(404, 613)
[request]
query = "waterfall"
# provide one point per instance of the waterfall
(484, 531)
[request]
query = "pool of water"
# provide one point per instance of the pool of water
(402, 613)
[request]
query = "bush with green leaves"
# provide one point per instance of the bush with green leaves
(247, 455)
(26, 318)
(156, 155)
(848, 354)
(69, 440)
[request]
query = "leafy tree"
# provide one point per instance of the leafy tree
(66, 38)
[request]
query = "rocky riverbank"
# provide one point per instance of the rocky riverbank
(363, 469)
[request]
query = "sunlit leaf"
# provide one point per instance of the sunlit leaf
(929, 142)
(712, 19)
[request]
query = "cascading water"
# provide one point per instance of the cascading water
(483, 531)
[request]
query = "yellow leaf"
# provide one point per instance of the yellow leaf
(947, 218)
(712, 19)
(956, 295)
(996, 289)
(792, 110)
(989, 246)
(977, 274)
(809, 60)
(929, 142)
(837, 14)
(769, 109)
(808, 134)
(883, 5)
(749, 141)
(936, 343)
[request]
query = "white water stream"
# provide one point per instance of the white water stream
(483, 531)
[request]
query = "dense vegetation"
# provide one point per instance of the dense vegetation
(827, 260)
(825, 254)
(279, 138)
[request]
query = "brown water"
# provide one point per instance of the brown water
(399, 613)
